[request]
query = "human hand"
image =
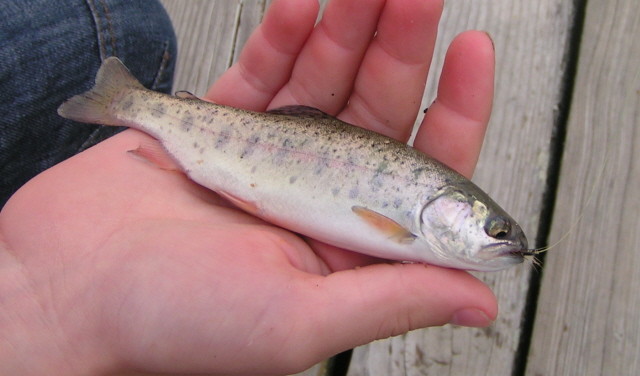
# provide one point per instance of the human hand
(122, 266)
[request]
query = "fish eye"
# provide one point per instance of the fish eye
(498, 227)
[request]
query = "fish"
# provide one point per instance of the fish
(306, 171)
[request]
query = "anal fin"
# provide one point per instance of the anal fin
(249, 207)
(153, 153)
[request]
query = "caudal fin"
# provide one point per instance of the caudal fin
(94, 105)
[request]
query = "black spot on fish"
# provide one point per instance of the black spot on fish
(397, 203)
(158, 110)
(187, 122)
(292, 179)
(376, 183)
(416, 172)
(223, 139)
(127, 104)
(335, 191)
(354, 192)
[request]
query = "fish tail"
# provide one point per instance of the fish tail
(94, 106)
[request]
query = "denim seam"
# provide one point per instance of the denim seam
(107, 16)
(100, 30)
(166, 57)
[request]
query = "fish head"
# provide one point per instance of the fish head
(468, 230)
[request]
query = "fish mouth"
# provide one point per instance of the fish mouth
(503, 250)
(525, 252)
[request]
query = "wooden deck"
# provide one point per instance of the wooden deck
(565, 71)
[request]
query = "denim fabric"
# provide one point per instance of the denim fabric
(50, 51)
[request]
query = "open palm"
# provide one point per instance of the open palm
(133, 267)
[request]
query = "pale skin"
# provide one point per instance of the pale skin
(110, 265)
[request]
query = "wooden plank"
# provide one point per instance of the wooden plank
(250, 16)
(531, 40)
(206, 32)
(588, 316)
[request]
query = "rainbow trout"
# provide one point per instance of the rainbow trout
(311, 173)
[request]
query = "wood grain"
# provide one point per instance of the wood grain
(588, 317)
(206, 32)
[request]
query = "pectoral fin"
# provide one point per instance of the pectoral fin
(387, 226)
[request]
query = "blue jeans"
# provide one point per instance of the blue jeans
(50, 51)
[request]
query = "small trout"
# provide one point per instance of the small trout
(313, 174)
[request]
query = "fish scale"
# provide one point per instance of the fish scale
(306, 171)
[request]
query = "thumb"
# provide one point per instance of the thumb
(384, 300)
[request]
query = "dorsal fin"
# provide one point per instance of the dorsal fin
(183, 94)
(299, 110)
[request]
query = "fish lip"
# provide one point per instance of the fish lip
(516, 251)
(511, 250)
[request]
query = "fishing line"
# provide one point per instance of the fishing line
(598, 182)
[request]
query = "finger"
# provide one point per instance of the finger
(380, 301)
(326, 68)
(455, 124)
(391, 80)
(265, 63)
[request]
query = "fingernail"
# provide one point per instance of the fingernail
(470, 317)
(493, 45)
